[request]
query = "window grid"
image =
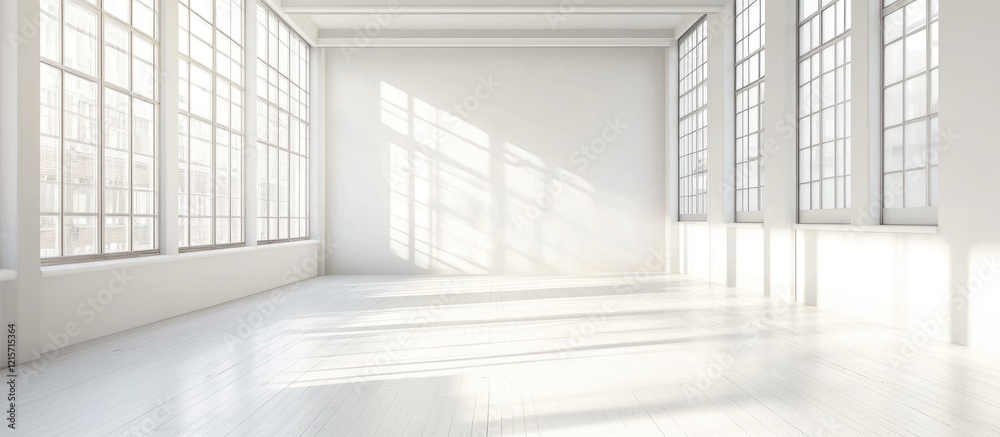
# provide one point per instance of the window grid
(693, 122)
(824, 104)
(910, 103)
(98, 130)
(283, 130)
(750, 63)
(210, 124)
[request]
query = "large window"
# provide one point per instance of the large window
(282, 130)
(693, 129)
(824, 109)
(210, 143)
(749, 101)
(98, 129)
(910, 109)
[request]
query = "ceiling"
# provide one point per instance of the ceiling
(400, 22)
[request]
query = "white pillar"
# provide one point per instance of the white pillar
(721, 139)
(780, 147)
(250, 151)
(169, 170)
(20, 118)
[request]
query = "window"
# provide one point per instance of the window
(749, 101)
(210, 125)
(824, 110)
(98, 129)
(283, 130)
(693, 124)
(910, 109)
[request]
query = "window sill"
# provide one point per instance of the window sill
(745, 225)
(873, 229)
(8, 275)
(99, 266)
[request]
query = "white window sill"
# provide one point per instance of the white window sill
(8, 275)
(745, 225)
(874, 229)
(99, 266)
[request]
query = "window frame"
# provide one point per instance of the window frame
(836, 215)
(916, 215)
(102, 84)
(263, 146)
(701, 213)
(746, 214)
(185, 243)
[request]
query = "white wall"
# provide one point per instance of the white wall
(83, 302)
(57, 306)
(432, 170)
(941, 282)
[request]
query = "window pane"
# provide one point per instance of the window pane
(80, 235)
(281, 82)
(911, 98)
(824, 106)
(80, 38)
(97, 157)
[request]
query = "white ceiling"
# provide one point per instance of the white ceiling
(472, 21)
(399, 18)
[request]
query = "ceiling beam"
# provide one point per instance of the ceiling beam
(496, 42)
(306, 8)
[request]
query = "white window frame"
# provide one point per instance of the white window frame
(235, 129)
(893, 192)
(102, 83)
(693, 202)
(749, 183)
(269, 149)
(840, 180)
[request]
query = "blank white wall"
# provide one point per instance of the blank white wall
(555, 167)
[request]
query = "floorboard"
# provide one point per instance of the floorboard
(575, 355)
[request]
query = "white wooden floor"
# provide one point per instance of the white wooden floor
(568, 355)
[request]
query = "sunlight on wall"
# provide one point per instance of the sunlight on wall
(463, 202)
(440, 191)
(983, 291)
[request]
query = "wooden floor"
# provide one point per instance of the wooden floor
(567, 355)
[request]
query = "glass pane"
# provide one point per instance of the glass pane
(143, 76)
(916, 188)
(80, 38)
(892, 190)
(893, 160)
(116, 55)
(80, 235)
(50, 236)
(142, 15)
(915, 141)
(916, 97)
(143, 131)
(117, 109)
(49, 24)
(143, 233)
(116, 234)
(916, 53)
(894, 63)
(916, 15)
(894, 26)
(118, 9)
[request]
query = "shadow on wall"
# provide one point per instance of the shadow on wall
(458, 203)
(475, 161)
